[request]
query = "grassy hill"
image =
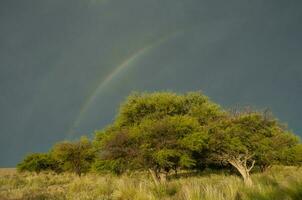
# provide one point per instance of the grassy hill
(279, 183)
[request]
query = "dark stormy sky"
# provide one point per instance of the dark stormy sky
(65, 65)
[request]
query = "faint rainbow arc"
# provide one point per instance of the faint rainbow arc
(115, 72)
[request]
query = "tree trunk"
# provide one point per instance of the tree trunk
(158, 177)
(154, 176)
(176, 172)
(79, 173)
(243, 170)
(247, 178)
(163, 177)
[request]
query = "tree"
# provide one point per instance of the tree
(38, 162)
(280, 148)
(158, 105)
(157, 131)
(157, 146)
(246, 138)
(74, 156)
(292, 156)
(297, 155)
(115, 151)
(168, 144)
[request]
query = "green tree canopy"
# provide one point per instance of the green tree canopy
(157, 131)
(248, 138)
(157, 145)
(164, 131)
(74, 156)
(38, 162)
(158, 105)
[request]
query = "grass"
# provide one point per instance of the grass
(280, 183)
(7, 171)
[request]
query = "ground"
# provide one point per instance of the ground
(279, 183)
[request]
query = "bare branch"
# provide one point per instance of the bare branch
(251, 167)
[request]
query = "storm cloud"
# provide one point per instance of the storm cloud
(66, 65)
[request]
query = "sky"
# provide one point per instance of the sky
(66, 65)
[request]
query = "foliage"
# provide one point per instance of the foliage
(74, 156)
(116, 166)
(38, 162)
(157, 145)
(158, 131)
(248, 138)
(158, 105)
(165, 132)
(168, 143)
(292, 156)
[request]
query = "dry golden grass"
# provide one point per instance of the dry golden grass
(7, 171)
(281, 183)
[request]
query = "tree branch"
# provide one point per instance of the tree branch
(251, 167)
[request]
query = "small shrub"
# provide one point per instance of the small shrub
(38, 162)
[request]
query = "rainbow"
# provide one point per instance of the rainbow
(126, 63)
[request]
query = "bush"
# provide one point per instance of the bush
(75, 156)
(116, 167)
(38, 162)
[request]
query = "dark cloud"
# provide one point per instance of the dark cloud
(54, 54)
